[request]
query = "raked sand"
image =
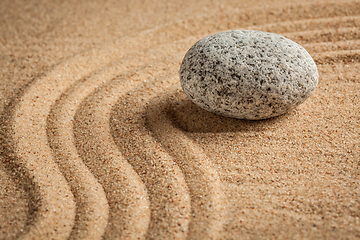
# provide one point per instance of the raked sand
(98, 140)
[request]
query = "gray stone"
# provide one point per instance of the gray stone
(248, 74)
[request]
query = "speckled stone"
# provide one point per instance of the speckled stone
(248, 74)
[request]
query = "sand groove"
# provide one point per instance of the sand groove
(312, 24)
(32, 152)
(168, 192)
(127, 198)
(94, 142)
(346, 56)
(332, 46)
(91, 203)
(326, 35)
(126, 194)
(204, 184)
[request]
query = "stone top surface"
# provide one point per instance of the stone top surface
(248, 74)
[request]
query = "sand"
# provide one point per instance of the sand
(98, 140)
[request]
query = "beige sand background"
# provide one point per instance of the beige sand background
(99, 141)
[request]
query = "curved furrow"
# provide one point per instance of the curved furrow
(129, 212)
(55, 213)
(350, 56)
(91, 204)
(325, 35)
(164, 181)
(100, 154)
(206, 193)
(332, 46)
(168, 192)
(344, 72)
(311, 24)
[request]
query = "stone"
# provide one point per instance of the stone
(248, 74)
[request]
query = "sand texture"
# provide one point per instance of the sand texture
(98, 140)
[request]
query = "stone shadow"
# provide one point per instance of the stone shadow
(189, 117)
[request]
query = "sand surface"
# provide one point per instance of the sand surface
(98, 141)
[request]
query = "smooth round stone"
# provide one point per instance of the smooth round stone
(248, 74)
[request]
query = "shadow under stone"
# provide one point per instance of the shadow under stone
(189, 117)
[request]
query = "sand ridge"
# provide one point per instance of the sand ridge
(106, 145)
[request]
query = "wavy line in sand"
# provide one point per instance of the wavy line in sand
(206, 196)
(33, 154)
(128, 213)
(164, 181)
(348, 72)
(316, 48)
(204, 184)
(311, 24)
(91, 204)
(129, 208)
(351, 56)
(325, 35)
